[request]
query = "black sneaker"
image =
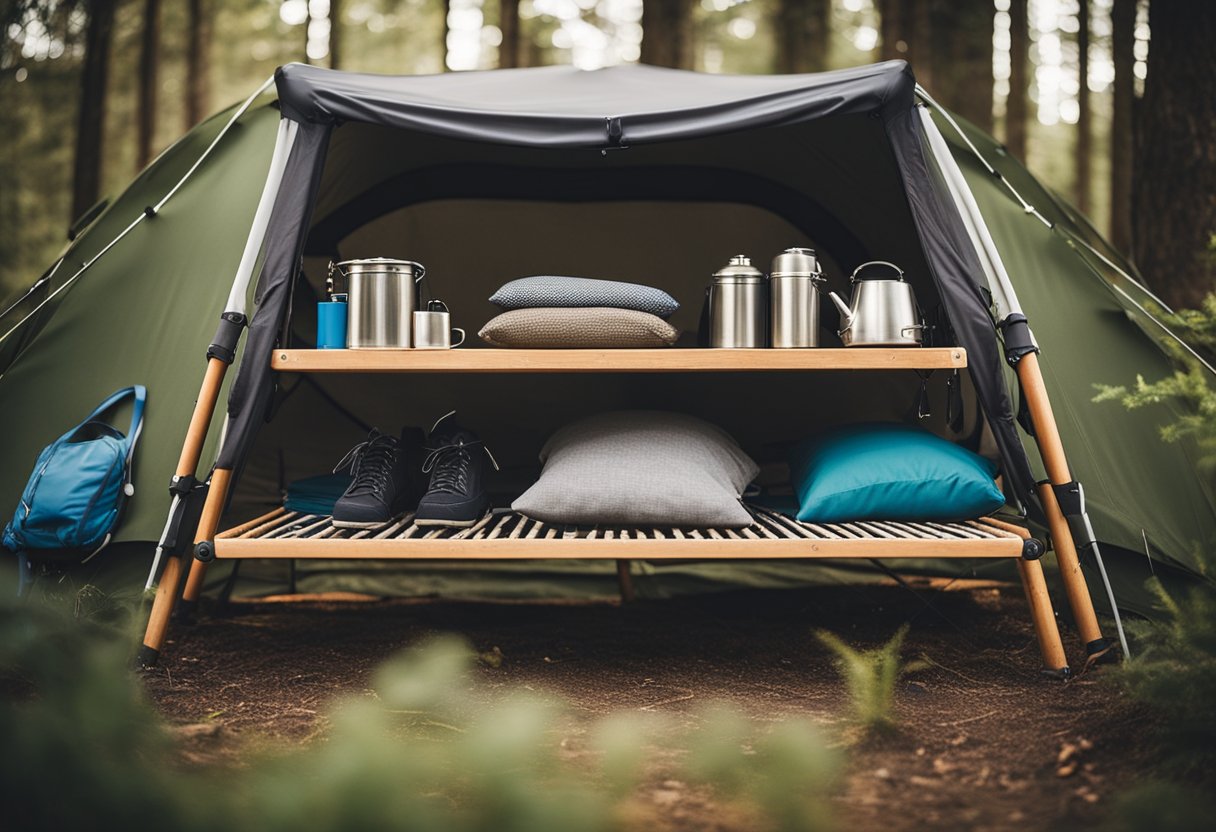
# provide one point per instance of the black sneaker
(387, 479)
(457, 494)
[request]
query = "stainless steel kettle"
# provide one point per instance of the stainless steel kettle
(883, 313)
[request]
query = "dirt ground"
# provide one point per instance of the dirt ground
(982, 734)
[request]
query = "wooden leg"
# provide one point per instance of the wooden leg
(1052, 450)
(1050, 646)
(200, 420)
(208, 525)
(1075, 586)
(187, 464)
(162, 608)
(624, 580)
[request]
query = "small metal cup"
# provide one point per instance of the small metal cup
(433, 328)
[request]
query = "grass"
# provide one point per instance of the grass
(871, 677)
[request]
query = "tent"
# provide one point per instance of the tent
(635, 173)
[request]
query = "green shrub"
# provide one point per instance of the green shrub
(430, 750)
(1161, 807)
(871, 676)
(1173, 672)
(1190, 385)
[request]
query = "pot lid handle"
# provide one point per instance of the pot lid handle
(898, 270)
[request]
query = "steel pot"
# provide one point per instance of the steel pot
(738, 305)
(382, 296)
(794, 289)
(883, 313)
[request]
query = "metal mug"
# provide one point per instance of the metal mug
(433, 328)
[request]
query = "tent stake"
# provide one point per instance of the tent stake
(1051, 448)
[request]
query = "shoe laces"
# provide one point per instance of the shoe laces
(370, 463)
(448, 465)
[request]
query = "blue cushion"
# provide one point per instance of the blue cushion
(890, 472)
(548, 290)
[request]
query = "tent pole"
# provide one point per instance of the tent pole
(220, 355)
(1051, 448)
(1022, 352)
(235, 308)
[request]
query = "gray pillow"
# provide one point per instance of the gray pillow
(545, 290)
(641, 468)
(598, 327)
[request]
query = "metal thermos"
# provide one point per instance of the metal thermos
(382, 296)
(794, 287)
(738, 305)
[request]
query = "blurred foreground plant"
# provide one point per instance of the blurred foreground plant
(1157, 806)
(871, 676)
(431, 750)
(1173, 672)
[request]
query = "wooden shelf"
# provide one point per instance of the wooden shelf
(508, 536)
(669, 360)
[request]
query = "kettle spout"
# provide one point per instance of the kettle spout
(846, 314)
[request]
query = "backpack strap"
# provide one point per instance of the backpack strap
(137, 422)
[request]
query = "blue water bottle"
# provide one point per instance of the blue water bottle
(331, 323)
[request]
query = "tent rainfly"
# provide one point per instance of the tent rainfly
(635, 171)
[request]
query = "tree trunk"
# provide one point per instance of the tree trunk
(1019, 62)
(508, 23)
(149, 81)
(896, 25)
(962, 58)
(335, 34)
(889, 29)
(1174, 212)
(802, 28)
(90, 122)
(1123, 40)
(920, 45)
(198, 62)
(443, 36)
(1085, 140)
(667, 33)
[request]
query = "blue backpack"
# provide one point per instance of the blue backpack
(73, 499)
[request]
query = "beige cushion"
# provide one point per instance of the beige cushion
(589, 327)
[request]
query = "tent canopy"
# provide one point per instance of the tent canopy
(632, 173)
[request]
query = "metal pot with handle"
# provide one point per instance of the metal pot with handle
(382, 298)
(883, 313)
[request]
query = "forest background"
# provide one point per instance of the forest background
(1110, 102)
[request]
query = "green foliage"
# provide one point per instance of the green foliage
(429, 749)
(785, 773)
(1161, 807)
(1173, 672)
(871, 676)
(1189, 386)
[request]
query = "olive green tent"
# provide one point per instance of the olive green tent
(135, 297)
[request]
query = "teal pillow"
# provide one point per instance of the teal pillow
(890, 472)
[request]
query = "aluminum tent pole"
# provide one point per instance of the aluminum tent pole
(1062, 497)
(188, 493)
